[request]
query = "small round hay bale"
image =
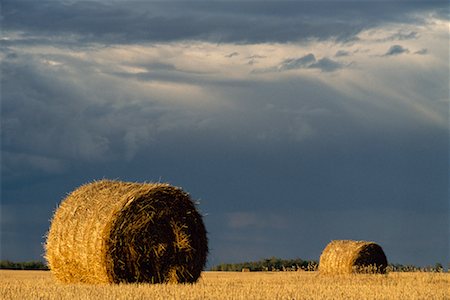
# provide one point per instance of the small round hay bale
(347, 257)
(122, 232)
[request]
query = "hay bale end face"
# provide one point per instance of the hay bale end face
(347, 257)
(123, 232)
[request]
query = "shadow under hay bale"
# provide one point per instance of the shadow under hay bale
(347, 257)
(123, 232)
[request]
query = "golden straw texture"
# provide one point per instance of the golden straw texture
(114, 232)
(347, 257)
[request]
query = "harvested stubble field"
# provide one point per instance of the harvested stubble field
(233, 285)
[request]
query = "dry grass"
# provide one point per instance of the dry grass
(120, 232)
(238, 285)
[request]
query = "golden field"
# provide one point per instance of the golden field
(237, 285)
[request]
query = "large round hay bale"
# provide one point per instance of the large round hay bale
(347, 257)
(115, 232)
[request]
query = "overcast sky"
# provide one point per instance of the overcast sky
(293, 123)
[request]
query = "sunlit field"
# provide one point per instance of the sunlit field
(237, 285)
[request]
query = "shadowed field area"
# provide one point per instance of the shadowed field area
(237, 285)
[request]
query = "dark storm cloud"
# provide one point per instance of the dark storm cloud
(307, 61)
(243, 22)
(326, 65)
(297, 63)
(232, 54)
(400, 36)
(403, 36)
(49, 120)
(423, 51)
(341, 53)
(396, 50)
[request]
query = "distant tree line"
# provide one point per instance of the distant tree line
(438, 267)
(28, 265)
(270, 264)
(278, 264)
